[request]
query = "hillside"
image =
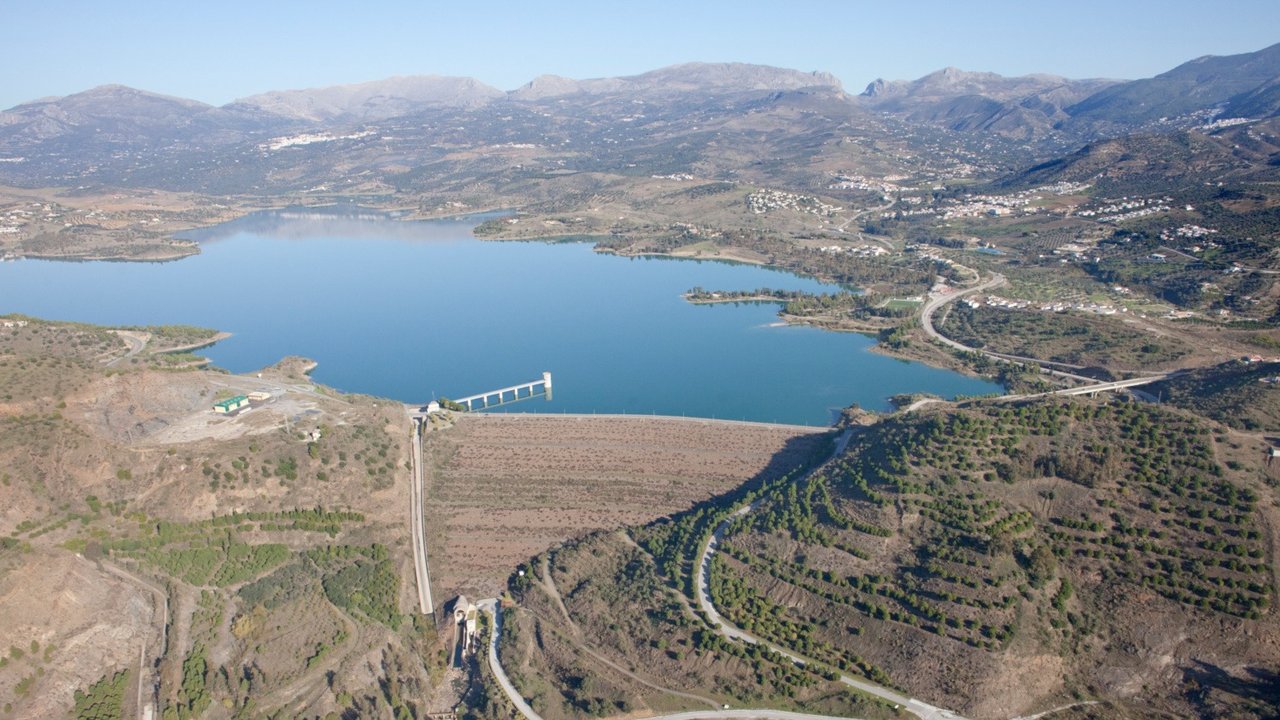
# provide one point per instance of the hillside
(154, 551)
(198, 561)
(377, 100)
(1196, 86)
(1027, 108)
(995, 560)
(1177, 160)
(1239, 394)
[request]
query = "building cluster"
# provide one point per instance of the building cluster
(1023, 202)
(910, 213)
(763, 201)
(15, 218)
(855, 250)
(1197, 235)
(883, 186)
(309, 139)
(1224, 123)
(1186, 231)
(1126, 208)
(1003, 303)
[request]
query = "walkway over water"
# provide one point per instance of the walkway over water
(500, 396)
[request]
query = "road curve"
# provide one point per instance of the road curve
(490, 608)
(549, 587)
(702, 582)
(926, 314)
(926, 323)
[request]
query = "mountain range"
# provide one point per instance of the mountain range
(119, 135)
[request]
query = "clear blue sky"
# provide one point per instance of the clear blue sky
(219, 51)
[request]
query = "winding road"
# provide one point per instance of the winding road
(919, 708)
(1047, 366)
(702, 582)
(549, 587)
(916, 707)
(935, 302)
(490, 608)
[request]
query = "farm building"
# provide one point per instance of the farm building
(231, 405)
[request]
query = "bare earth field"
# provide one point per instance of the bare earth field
(501, 489)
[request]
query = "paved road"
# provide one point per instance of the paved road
(417, 524)
(136, 341)
(1117, 385)
(489, 607)
(549, 586)
(921, 403)
(926, 322)
(935, 302)
(702, 582)
(745, 714)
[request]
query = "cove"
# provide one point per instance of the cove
(415, 310)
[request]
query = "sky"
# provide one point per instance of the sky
(216, 52)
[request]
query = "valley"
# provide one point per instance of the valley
(1057, 499)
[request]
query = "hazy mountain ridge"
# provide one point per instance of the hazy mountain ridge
(687, 77)
(1029, 107)
(707, 117)
(954, 82)
(1198, 85)
(374, 100)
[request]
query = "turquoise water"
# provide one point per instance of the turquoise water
(414, 310)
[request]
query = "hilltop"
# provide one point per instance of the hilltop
(995, 560)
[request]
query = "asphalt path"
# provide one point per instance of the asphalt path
(417, 524)
(919, 708)
(490, 608)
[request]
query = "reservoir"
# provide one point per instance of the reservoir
(416, 310)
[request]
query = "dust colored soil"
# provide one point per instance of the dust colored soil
(501, 489)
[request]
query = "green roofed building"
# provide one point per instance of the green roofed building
(231, 405)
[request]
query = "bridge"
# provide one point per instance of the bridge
(1117, 385)
(500, 396)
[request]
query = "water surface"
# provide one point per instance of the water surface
(415, 310)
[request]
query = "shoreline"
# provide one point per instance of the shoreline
(761, 299)
(813, 429)
(192, 250)
(413, 215)
(217, 338)
(727, 257)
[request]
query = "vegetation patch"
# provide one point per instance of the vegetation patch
(104, 700)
